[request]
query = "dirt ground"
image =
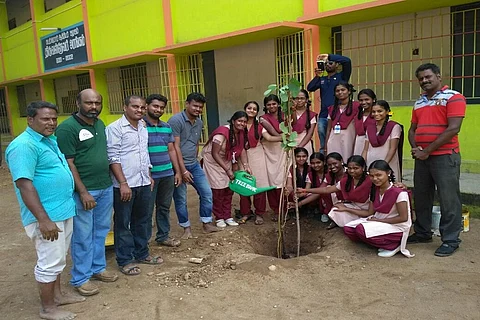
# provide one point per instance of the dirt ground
(336, 279)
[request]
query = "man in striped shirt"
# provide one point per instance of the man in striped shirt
(165, 169)
(436, 121)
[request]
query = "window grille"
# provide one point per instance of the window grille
(66, 91)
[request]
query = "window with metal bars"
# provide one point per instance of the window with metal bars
(290, 58)
(67, 89)
(466, 50)
(22, 101)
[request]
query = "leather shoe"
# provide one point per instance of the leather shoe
(87, 289)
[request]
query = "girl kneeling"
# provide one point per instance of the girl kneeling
(390, 221)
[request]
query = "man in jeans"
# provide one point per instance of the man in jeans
(187, 129)
(127, 149)
(327, 84)
(82, 140)
(165, 170)
(436, 121)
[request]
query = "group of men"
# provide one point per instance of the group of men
(68, 183)
(68, 180)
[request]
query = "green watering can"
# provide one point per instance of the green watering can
(246, 185)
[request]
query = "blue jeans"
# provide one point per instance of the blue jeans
(200, 183)
(131, 225)
(162, 198)
(322, 132)
(443, 172)
(90, 228)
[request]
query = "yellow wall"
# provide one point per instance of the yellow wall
(122, 27)
(19, 52)
(193, 19)
(332, 5)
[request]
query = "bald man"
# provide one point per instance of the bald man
(82, 140)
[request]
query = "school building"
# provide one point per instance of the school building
(231, 51)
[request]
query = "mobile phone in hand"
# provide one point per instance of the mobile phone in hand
(321, 65)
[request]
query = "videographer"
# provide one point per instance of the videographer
(326, 83)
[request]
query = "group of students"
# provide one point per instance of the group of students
(365, 203)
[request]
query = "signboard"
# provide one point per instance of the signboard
(64, 48)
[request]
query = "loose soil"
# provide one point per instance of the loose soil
(333, 279)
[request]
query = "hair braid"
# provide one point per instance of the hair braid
(348, 185)
(246, 144)
(255, 127)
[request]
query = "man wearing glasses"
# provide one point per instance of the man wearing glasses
(127, 149)
(328, 63)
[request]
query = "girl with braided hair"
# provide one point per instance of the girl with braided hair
(341, 127)
(367, 99)
(305, 121)
(275, 157)
(258, 166)
(389, 214)
(384, 138)
(223, 149)
(355, 188)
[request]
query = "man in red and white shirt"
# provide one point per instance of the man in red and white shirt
(436, 120)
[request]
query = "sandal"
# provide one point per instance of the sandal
(130, 270)
(332, 225)
(244, 219)
(258, 220)
(151, 260)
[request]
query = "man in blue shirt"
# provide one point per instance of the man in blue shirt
(44, 187)
(327, 84)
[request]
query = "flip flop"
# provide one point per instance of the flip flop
(130, 270)
(152, 260)
(243, 219)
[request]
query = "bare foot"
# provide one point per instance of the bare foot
(68, 298)
(187, 234)
(209, 228)
(56, 314)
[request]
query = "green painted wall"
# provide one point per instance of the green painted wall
(122, 27)
(332, 5)
(193, 19)
(19, 52)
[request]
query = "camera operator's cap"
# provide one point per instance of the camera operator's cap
(246, 185)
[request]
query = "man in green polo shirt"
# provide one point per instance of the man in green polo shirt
(82, 140)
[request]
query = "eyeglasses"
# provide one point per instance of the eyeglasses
(299, 98)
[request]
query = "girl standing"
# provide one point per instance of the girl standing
(384, 138)
(389, 222)
(366, 98)
(224, 147)
(275, 157)
(305, 121)
(258, 166)
(355, 189)
(341, 127)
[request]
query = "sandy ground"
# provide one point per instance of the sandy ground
(336, 280)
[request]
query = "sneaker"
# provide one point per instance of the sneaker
(324, 218)
(221, 223)
(231, 222)
(388, 253)
(414, 238)
(445, 250)
(87, 289)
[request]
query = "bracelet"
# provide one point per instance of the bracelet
(246, 164)
(123, 182)
(185, 172)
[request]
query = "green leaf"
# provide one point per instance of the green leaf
(293, 136)
(283, 127)
(284, 139)
(272, 87)
(267, 92)
(283, 96)
(294, 86)
(292, 144)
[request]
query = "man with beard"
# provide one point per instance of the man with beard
(327, 85)
(436, 121)
(82, 140)
(165, 169)
(187, 129)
